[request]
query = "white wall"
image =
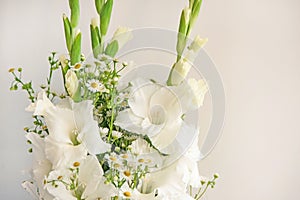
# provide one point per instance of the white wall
(256, 46)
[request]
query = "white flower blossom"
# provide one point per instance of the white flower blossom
(90, 180)
(122, 35)
(154, 111)
(95, 86)
(72, 130)
(180, 71)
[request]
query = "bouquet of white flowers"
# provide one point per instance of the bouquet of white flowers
(104, 138)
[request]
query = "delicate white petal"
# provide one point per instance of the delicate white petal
(127, 120)
(89, 132)
(63, 155)
(61, 124)
(191, 94)
(140, 96)
(60, 192)
(41, 105)
(103, 191)
(90, 170)
(167, 135)
(41, 165)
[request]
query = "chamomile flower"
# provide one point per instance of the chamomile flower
(95, 86)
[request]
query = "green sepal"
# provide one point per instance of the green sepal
(75, 55)
(105, 16)
(112, 48)
(68, 32)
(75, 12)
(95, 40)
(99, 5)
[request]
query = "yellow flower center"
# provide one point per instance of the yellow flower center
(125, 156)
(127, 173)
(127, 194)
(94, 85)
(116, 165)
(76, 164)
(112, 158)
(77, 66)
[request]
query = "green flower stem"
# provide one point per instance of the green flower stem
(210, 183)
(113, 106)
(29, 89)
(187, 20)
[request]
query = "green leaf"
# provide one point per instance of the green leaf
(95, 40)
(112, 48)
(76, 50)
(68, 32)
(99, 4)
(75, 12)
(105, 16)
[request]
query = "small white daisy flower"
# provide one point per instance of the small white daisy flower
(95, 86)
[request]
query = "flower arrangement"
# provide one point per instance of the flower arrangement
(106, 139)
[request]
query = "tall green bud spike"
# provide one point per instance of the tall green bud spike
(99, 4)
(105, 16)
(181, 37)
(195, 12)
(75, 12)
(76, 50)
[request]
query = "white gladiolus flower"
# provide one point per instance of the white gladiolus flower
(180, 71)
(122, 35)
(90, 181)
(71, 82)
(199, 89)
(193, 49)
(154, 111)
(191, 94)
(72, 130)
(127, 193)
(197, 43)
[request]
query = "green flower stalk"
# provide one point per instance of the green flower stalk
(73, 37)
(104, 10)
(187, 20)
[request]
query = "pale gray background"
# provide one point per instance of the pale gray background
(256, 46)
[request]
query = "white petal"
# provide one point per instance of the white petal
(89, 133)
(63, 155)
(167, 99)
(127, 120)
(90, 170)
(41, 105)
(140, 96)
(60, 192)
